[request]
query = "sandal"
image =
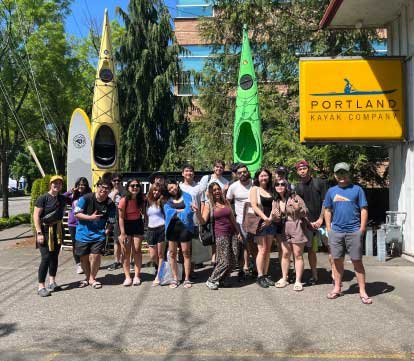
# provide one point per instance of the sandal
(298, 287)
(83, 284)
(366, 300)
(155, 283)
(96, 285)
(282, 283)
(333, 295)
(174, 284)
(187, 284)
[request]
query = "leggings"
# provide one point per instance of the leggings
(48, 262)
(72, 231)
(225, 258)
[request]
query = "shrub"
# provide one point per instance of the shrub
(14, 220)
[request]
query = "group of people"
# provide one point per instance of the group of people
(246, 217)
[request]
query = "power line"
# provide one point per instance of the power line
(35, 85)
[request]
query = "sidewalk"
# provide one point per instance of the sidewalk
(9, 236)
(243, 322)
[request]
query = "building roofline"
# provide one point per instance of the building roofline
(330, 13)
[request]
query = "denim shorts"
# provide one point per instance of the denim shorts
(267, 231)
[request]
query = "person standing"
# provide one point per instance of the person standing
(239, 193)
(312, 190)
(96, 215)
(291, 214)
(72, 198)
(47, 217)
(205, 181)
(346, 217)
(116, 194)
(179, 227)
(220, 210)
(155, 219)
(131, 226)
(261, 199)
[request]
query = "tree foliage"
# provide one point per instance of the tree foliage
(153, 119)
(280, 33)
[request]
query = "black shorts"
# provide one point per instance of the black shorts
(134, 228)
(85, 248)
(177, 232)
(155, 235)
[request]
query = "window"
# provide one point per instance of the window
(193, 8)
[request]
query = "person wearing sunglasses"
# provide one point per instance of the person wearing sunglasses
(292, 215)
(95, 213)
(131, 225)
(346, 216)
(116, 194)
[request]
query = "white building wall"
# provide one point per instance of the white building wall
(401, 43)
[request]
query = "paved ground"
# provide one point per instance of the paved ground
(243, 322)
(17, 205)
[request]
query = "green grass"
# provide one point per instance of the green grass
(14, 220)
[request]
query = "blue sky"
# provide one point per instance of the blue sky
(83, 10)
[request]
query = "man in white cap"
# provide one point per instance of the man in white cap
(346, 216)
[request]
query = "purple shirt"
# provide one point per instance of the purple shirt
(222, 222)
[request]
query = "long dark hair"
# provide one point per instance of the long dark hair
(211, 196)
(288, 192)
(256, 178)
(140, 196)
(76, 194)
(173, 181)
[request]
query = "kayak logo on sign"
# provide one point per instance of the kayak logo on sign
(79, 141)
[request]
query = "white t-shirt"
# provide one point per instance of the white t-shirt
(195, 191)
(240, 194)
(205, 182)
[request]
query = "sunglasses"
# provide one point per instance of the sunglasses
(116, 180)
(282, 184)
(134, 185)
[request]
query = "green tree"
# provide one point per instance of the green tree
(153, 119)
(41, 80)
(280, 33)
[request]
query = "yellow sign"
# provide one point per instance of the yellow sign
(351, 100)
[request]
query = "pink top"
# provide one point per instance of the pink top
(222, 222)
(132, 213)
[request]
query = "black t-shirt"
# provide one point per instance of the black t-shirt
(313, 193)
(51, 204)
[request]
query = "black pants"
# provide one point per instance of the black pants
(48, 262)
(72, 231)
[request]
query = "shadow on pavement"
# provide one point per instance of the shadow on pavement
(373, 288)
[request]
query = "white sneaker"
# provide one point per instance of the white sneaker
(211, 285)
(79, 269)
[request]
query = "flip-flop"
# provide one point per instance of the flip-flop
(187, 284)
(366, 300)
(174, 284)
(83, 284)
(333, 295)
(96, 285)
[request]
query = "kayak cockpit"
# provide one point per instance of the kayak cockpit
(247, 144)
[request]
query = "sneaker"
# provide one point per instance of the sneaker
(269, 280)
(127, 282)
(312, 281)
(79, 269)
(43, 292)
(211, 285)
(241, 276)
(114, 266)
(52, 287)
(261, 281)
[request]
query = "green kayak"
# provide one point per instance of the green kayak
(247, 133)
